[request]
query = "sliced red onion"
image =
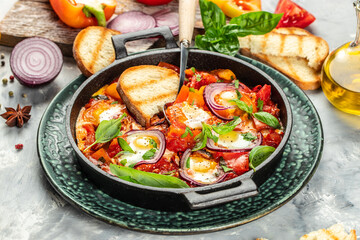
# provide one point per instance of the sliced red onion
(209, 94)
(183, 172)
(161, 148)
(36, 61)
(165, 17)
(212, 145)
(132, 21)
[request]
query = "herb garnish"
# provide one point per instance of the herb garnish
(149, 154)
(114, 102)
(203, 136)
(153, 143)
(243, 106)
(124, 146)
(198, 77)
(187, 131)
(236, 84)
(259, 154)
(222, 37)
(147, 178)
(193, 69)
(260, 105)
(107, 130)
(268, 119)
(228, 127)
(191, 89)
(248, 136)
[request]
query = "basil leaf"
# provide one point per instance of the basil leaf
(192, 69)
(217, 40)
(226, 128)
(212, 16)
(259, 154)
(153, 143)
(198, 77)
(107, 130)
(149, 154)
(260, 105)
(248, 136)
(124, 145)
(242, 105)
(238, 94)
(187, 131)
(123, 162)
(236, 84)
(253, 23)
(226, 169)
(201, 139)
(191, 90)
(188, 162)
(268, 119)
(114, 102)
(147, 178)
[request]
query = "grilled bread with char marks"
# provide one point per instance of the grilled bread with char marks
(146, 89)
(93, 49)
(292, 51)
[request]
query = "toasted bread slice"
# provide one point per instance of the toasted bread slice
(292, 30)
(334, 232)
(146, 89)
(93, 49)
(294, 67)
(313, 49)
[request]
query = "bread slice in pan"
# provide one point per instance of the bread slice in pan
(145, 89)
(93, 49)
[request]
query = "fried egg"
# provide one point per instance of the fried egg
(114, 111)
(202, 170)
(195, 116)
(233, 140)
(224, 97)
(140, 144)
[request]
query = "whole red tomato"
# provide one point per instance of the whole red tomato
(154, 2)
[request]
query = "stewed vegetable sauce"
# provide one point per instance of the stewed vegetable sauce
(204, 137)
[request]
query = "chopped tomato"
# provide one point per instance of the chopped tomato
(294, 15)
(163, 166)
(175, 143)
(272, 139)
(169, 66)
(237, 161)
(114, 148)
(234, 8)
(199, 79)
(264, 93)
(272, 109)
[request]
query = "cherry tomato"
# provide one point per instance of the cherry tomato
(294, 15)
(234, 8)
(154, 2)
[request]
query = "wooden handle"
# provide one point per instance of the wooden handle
(186, 19)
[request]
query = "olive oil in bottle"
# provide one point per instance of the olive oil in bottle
(340, 76)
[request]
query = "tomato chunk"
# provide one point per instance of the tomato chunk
(294, 15)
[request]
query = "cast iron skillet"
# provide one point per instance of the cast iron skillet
(243, 186)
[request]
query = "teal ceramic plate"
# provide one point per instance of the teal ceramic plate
(299, 162)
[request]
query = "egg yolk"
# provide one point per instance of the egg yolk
(229, 137)
(224, 97)
(202, 165)
(143, 142)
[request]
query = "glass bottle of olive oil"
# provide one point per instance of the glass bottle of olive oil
(340, 76)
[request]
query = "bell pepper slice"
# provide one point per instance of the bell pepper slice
(84, 13)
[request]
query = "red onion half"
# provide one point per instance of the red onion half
(196, 179)
(213, 146)
(165, 17)
(132, 21)
(36, 61)
(209, 94)
(160, 149)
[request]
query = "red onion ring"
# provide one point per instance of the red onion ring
(192, 181)
(212, 146)
(165, 17)
(209, 94)
(36, 61)
(132, 21)
(161, 150)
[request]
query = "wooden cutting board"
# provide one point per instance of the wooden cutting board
(29, 18)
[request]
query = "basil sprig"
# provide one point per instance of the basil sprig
(187, 131)
(226, 128)
(259, 154)
(149, 154)
(222, 37)
(107, 130)
(202, 137)
(242, 105)
(147, 178)
(268, 119)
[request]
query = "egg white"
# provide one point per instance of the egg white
(206, 177)
(233, 140)
(195, 116)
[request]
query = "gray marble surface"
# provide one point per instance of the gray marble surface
(31, 209)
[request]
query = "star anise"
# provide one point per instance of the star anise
(17, 117)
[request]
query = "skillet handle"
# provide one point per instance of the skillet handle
(120, 40)
(199, 200)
